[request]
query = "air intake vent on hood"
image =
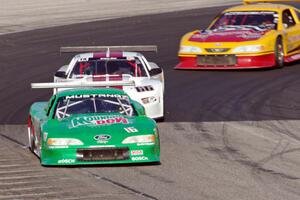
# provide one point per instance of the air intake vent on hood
(217, 50)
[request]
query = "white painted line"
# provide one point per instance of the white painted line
(22, 183)
(19, 171)
(22, 177)
(14, 165)
(26, 188)
(29, 195)
(9, 160)
(33, 182)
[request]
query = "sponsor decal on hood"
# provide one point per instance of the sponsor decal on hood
(98, 120)
(226, 36)
(102, 138)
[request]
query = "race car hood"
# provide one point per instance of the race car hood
(226, 35)
(93, 129)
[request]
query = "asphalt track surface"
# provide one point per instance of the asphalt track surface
(227, 134)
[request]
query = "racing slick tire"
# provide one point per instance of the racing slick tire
(160, 119)
(31, 137)
(279, 53)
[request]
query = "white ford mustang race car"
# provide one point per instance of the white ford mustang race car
(118, 63)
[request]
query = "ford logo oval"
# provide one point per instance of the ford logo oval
(102, 137)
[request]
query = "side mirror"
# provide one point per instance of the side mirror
(155, 71)
(285, 25)
(139, 108)
(60, 74)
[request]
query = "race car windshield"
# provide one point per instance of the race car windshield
(110, 67)
(71, 105)
(247, 20)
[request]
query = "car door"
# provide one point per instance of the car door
(291, 28)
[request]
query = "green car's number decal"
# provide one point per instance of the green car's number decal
(131, 130)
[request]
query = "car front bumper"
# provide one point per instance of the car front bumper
(101, 155)
(242, 62)
(155, 109)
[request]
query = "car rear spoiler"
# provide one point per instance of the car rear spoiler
(86, 49)
(246, 2)
(82, 84)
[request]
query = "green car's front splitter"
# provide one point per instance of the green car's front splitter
(100, 155)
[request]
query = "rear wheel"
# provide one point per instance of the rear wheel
(161, 119)
(279, 53)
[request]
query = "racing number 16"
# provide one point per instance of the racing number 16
(131, 130)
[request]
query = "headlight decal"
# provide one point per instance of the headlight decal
(149, 100)
(248, 49)
(189, 49)
(63, 142)
(139, 139)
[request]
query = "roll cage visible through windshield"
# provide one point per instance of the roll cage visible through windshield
(109, 66)
(101, 104)
(261, 19)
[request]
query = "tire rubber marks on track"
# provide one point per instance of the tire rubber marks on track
(237, 141)
(281, 147)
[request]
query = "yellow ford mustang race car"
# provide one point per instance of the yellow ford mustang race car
(253, 35)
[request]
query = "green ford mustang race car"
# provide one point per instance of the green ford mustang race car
(92, 126)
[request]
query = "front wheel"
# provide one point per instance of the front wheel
(279, 53)
(31, 136)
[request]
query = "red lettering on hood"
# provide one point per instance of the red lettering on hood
(96, 120)
(117, 120)
(121, 119)
(100, 122)
(110, 121)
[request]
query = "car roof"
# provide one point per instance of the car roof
(259, 7)
(90, 91)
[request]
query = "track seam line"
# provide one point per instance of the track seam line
(137, 192)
